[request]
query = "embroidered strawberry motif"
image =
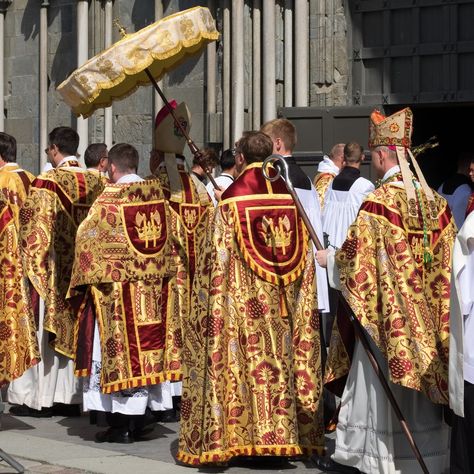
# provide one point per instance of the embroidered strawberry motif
(113, 347)
(5, 331)
(255, 308)
(215, 326)
(399, 367)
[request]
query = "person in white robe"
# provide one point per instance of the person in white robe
(227, 176)
(345, 195)
(461, 351)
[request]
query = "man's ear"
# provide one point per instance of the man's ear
(278, 143)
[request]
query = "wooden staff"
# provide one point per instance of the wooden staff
(282, 170)
(192, 146)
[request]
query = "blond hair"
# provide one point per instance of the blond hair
(283, 129)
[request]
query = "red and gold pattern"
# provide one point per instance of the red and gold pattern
(57, 202)
(14, 185)
(470, 205)
(402, 303)
(322, 181)
(125, 236)
(252, 378)
(394, 130)
(191, 213)
(18, 342)
(124, 253)
(132, 329)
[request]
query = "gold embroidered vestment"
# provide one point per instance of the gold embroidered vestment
(18, 342)
(58, 201)
(252, 373)
(123, 254)
(401, 302)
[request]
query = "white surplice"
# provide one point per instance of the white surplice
(341, 208)
(310, 202)
(51, 381)
(461, 354)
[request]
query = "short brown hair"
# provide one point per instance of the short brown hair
(66, 139)
(353, 152)
(254, 146)
(94, 153)
(124, 157)
(283, 129)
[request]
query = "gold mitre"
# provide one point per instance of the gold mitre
(394, 130)
(168, 136)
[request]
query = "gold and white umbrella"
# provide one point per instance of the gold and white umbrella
(139, 59)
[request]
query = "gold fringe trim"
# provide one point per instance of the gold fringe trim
(82, 372)
(172, 376)
(212, 457)
(86, 106)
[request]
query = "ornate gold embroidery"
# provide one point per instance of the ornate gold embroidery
(417, 248)
(148, 230)
(84, 81)
(277, 237)
(106, 67)
(137, 54)
(190, 217)
(187, 28)
(163, 38)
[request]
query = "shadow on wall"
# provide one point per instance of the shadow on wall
(61, 35)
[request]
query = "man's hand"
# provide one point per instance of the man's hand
(322, 257)
(218, 193)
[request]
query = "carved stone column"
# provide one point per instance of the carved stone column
(3, 10)
(43, 84)
(82, 56)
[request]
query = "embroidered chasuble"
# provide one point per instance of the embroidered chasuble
(322, 182)
(402, 302)
(14, 185)
(18, 343)
(123, 254)
(191, 211)
(252, 367)
(58, 201)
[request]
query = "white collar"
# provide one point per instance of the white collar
(328, 166)
(179, 161)
(394, 170)
(9, 165)
(227, 175)
(129, 178)
(66, 159)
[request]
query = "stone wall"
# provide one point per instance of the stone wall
(133, 116)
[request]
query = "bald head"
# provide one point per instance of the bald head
(337, 155)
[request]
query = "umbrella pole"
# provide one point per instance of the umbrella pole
(192, 146)
(283, 172)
